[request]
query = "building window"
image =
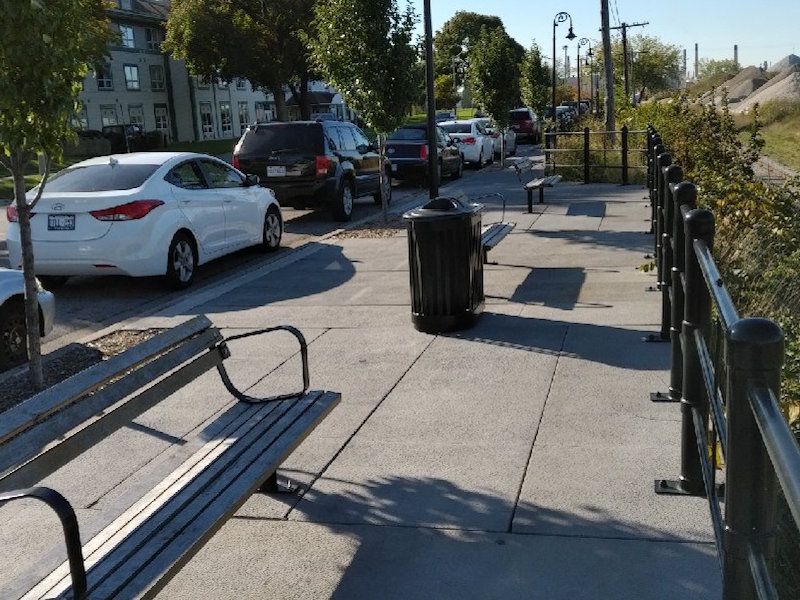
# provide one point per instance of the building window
(126, 33)
(81, 120)
(125, 4)
(105, 80)
(162, 119)
(244, 116)
(222, 85)
(153, 37)
(136, 115)
(206, 120)
(202, 82)
(157, 78)
(241, 83)
(131, 77)
(226, 118)
(108, 114)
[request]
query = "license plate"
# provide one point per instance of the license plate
(61, 222)
(276, 171)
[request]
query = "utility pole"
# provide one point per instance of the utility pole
(608, 66)
(624, 28)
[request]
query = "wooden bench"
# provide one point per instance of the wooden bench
(538, 183)
(236, 453)
(492, 234)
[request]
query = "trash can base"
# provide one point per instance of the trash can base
(445, 323)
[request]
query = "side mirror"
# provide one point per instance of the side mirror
(364, 148)
(251, 180)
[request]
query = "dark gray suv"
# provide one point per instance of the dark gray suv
(314, 162)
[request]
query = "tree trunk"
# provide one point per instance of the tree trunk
(382, 178)
(35, 371)
(281, 111)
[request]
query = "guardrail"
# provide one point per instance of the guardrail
(725, 372)
(609, 147)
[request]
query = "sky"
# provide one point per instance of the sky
(767, 30)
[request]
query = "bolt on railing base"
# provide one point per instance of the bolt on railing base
(662, 397)
(274, 486)
(674, 487)
(652, 338)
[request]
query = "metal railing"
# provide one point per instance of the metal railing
(725, 372)
(609, 149)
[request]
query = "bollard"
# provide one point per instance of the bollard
(672, 175)
(755, 357)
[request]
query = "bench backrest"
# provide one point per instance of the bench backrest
(48, 430)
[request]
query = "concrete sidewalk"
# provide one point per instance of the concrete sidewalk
(515, 459)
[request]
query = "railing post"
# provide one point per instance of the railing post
(586, 176)
(755, 357)
(681, 193)
(658, 148)
(624, 155)
(663, 160)
(698, 225)
(548, 141)
(672, 174)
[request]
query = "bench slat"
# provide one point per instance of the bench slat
(184, 515)
(63, 394)
(49, 445)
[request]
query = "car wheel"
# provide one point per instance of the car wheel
(273, 227)
(52, 282)
(13, 335)
(479, 164)
(181, 261)
(459, 169)
(343, 209)
(386, 190)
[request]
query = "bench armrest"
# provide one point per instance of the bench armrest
(223, 348)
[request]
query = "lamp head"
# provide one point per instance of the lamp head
(571, 36)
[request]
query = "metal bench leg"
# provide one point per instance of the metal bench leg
(273, 486)
(530, 200)
(541, 195)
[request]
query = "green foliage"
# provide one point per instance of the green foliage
(46, 50)
(494, 75)
(260, 40)
(364, 49)
(535, 80)
(653, 66)
(445, 92)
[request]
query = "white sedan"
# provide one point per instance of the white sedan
(473, 140)
(509, 139)
(145, 214)
(13, 331)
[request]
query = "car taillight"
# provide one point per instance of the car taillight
(11, 213)
(527, 122)
(126, 212)
(235, 162)
(468, 140)
(423, 152)
(323, 165)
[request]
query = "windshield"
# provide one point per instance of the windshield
(409, 133)
(100, 178)
(458, 128)
(277, 138)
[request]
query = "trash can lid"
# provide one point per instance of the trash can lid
(442, 207)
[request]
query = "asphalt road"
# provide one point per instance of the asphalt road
(88, 304)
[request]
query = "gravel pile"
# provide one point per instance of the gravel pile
(784, 86)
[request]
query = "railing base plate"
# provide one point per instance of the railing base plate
(673, 487)
(652, 338)
(662, 397)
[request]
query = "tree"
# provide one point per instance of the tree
(364, 49)
(46, 49)
(260, 40)
(535, 80)
(494, 75)
(445, 91)
(653, 65)
(459, 34)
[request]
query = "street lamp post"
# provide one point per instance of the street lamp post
(590, 64)
(559, 18)
(581, 42)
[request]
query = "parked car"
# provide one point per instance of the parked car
(445, 116)
(407, 147)
(13, 331)
(323, 116)
(525, 124)
(475, 143)
(145, 214)
(314, 162)
(508, 140)
(124, 138)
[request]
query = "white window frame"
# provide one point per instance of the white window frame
(153, 38)
(132, 81)
(157, 80)
(105, 79)
(108, 114)
(226, 119)
(128, 38)
(136, 115)
(207, 124)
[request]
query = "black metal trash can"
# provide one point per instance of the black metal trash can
(445, 264)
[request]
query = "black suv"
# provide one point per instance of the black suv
(314, 161)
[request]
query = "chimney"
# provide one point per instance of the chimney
(736, 53)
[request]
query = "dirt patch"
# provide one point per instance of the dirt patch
(395, 225)
(70, 360)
